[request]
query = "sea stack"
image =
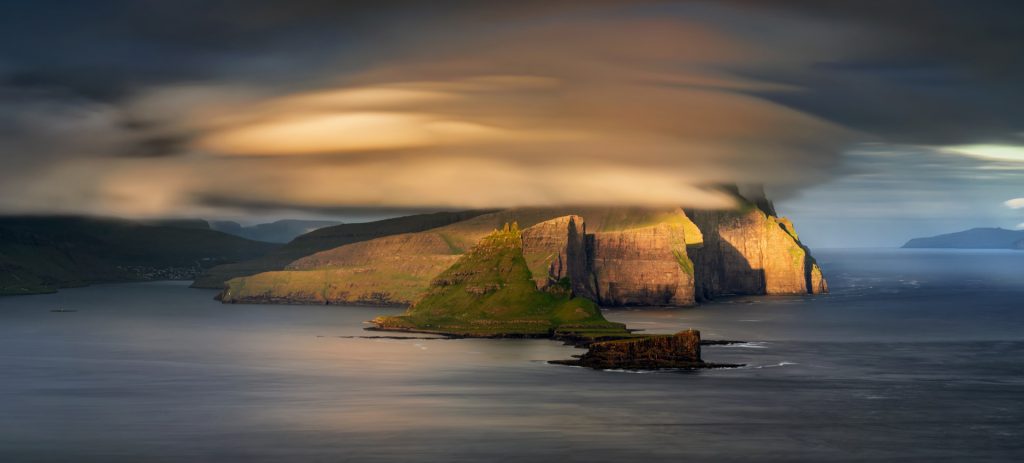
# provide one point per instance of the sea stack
(677, 351)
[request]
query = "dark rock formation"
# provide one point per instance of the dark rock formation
(681, 350)
(751, 252)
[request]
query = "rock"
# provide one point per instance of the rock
(681, 350)
(642, 266)
(555, 252)
(611, 256)
(751, 252)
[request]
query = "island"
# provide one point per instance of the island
(680, 351)
(547, 272)
(975, 238)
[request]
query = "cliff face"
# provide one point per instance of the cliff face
(635, 266)
(612, 256)
(643, 266)
(681, 350)
(752, 252)
(555, 252)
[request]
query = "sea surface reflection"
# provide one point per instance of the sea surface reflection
(916, 356)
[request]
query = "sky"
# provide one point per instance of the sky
(868, 122)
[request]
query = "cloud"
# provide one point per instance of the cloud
(1016, 203)
(329, 107)
(1006, 153)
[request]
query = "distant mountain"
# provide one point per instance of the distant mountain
(329, 238)
(42, 254)
(281, 231)
(975, 238)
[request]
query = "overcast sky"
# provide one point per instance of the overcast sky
(869, 122)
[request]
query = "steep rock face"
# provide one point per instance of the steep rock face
(555, 251)
(613, 256)
(642, 266)
(751, 252)
(681, 350)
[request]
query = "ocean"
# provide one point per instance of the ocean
(916, 355)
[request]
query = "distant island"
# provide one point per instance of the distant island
(975, 238)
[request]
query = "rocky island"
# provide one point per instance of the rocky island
(658, 352)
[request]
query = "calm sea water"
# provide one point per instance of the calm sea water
(915, 356)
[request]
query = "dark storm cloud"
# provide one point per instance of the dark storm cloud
(150, 107)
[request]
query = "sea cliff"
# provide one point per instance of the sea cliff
(611, 256)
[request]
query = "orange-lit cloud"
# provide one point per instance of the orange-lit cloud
(619, 112)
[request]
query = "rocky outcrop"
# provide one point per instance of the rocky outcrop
(647, 265)
(555, 251)
(751, 252)
(642, 266)
(678, 351)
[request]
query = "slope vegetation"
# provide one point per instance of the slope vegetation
(490, 291)
(325, 239)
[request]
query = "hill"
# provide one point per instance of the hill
(327, 238)
(491, 291)
(281, 231)
(975, 238)
(42, 254)
(632, 256)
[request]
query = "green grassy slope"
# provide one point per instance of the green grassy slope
(490, 291)
(41, 254)
(325, 239)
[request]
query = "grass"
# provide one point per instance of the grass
(490, 291)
